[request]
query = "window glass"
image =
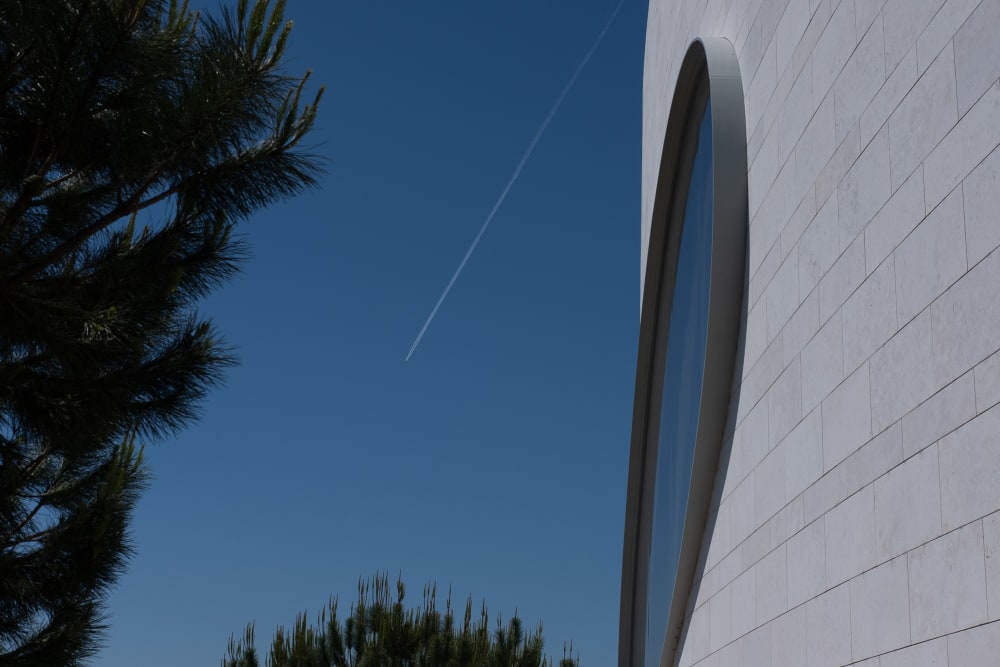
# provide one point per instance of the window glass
(682, 387)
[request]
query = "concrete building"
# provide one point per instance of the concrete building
(817, 480)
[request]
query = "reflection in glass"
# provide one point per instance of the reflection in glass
(682, 384)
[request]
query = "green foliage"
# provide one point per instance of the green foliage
(380, 632)
(134, 136)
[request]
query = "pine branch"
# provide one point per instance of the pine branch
(109, 108)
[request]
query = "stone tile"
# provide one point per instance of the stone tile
(729, 656)
(732, 475)
(801, 219)
(781, 202)
(695, 641)
(870, 316)
(928, 654)
(742, 521)
(924, 116)
(750, 395)
(865, 13)
(791, 27)
(756, 336)
(965, 321)
(744, 598)
(707, 587)
(846, 418)
(788, 639)
(794, 114)
(908, 505)
(788, 521)
(769, 16)
(761, 88)
(991, 540)
(728, 568)
(801, 327)
(941, 413)
(941, 29)
(864, 189)
(828, 490)
(847, 273)
(843, 159)
(880, 615)
(970, 468)
(881, 454)
(754, 443)
(758, 544)
(850, 537)
(981, 198)
(756, 648)
(976, 646)
(988, 383)
(763, 170)
(975, 137)
(908, 19)
(820, 10)
(828, 629)
(765, 272)
(772, 102)
(822, 363)
(782, 296)
(815, 147)
(772, 586)
(754, 143)
(860, 80)
(901, 79)
(720, 537)
(901, 377)
(819, 247)
(757, 249)
(833, 49)
(806, 554)
(715, 15)
(785, 403)
(946, 584)
(720, 628)
(903, 212)
(770, 486)
(803, 454)
(931, 258)
(749, 35)
(977, 54)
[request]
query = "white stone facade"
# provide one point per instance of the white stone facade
(857, 521)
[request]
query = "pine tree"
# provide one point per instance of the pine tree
(134, 136)
(380, 632)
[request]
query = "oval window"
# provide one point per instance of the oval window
(682, 383)
(689, 331)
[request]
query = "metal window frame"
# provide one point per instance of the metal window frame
(710, 68)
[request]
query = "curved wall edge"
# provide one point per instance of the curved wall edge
(709, 68)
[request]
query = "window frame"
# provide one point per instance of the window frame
(710, 69)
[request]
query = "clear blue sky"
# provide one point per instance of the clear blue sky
(495, 459)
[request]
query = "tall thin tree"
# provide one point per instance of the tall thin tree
(134, 136)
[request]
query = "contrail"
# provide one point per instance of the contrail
(514, 176)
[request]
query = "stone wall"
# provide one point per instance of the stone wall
(857, 519)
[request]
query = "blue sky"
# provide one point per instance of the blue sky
(494, 460)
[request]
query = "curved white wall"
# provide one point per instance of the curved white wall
(857, 519)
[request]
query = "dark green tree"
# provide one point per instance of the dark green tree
(380, 631)
(134, 136)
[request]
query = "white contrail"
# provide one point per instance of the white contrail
(517, 172)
